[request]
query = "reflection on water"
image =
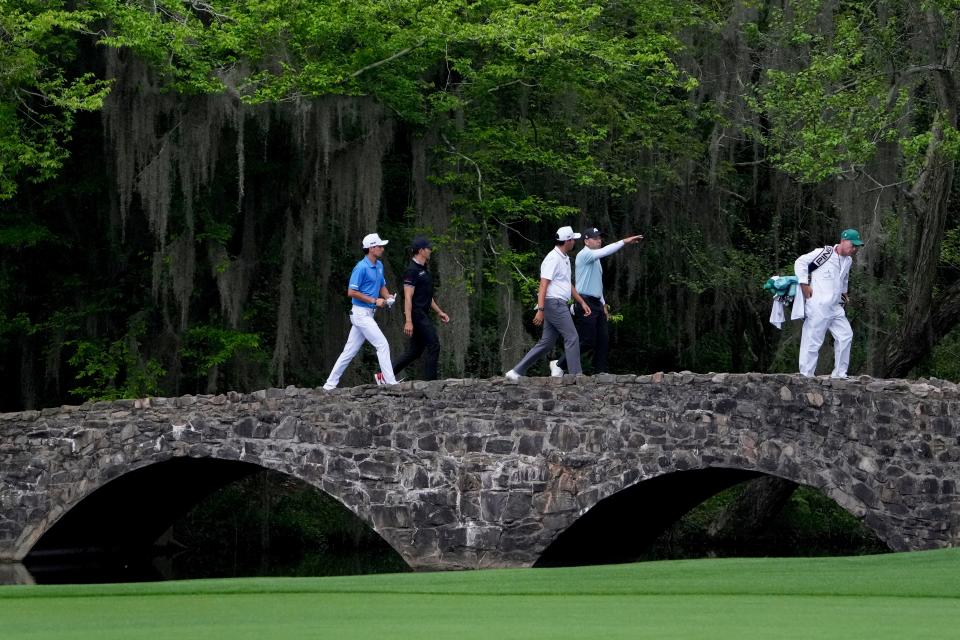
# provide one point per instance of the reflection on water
(15, 573)
(257, 523)
(89, 568)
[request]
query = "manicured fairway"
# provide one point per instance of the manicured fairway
(902, 597)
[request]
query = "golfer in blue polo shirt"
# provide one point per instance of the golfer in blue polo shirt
(368, 290)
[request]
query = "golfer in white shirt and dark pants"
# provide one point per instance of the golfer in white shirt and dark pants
(556, 288)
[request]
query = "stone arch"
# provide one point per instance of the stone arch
(152, 492)
(617, 527)
(482, 473)
(132, 506)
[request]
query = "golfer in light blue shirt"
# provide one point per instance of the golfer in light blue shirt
(592, 328)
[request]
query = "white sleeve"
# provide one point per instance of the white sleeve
(548, 268)
(801, 267)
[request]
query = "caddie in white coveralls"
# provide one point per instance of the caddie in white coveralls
(823, 275)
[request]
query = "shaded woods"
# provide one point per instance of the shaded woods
(184, 188)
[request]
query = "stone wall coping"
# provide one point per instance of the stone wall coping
(921, 387)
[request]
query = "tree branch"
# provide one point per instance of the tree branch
(204, 7)
(906, 73)
(476, 166)
(398, 54)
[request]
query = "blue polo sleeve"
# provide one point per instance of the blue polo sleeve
(356, 277)
(381, 277)
(586, 256)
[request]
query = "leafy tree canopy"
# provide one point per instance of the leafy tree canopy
(573, 89)
(38, 93)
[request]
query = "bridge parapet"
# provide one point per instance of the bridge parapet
(487, 473)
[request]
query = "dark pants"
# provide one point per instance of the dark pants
(424, 338)
(593, 334)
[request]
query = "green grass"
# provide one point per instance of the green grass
(901, 596)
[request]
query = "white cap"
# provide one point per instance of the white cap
(373, 240)
(566, 233)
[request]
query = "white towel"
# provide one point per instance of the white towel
(776, 313)
(798, 312)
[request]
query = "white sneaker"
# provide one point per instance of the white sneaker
(555, 369)
(511, 375)
(329, 387)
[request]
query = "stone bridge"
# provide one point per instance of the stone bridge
(487, 473)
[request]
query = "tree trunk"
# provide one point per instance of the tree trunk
(930, 199)
(28, 386)
(947, 313)
(762, 499)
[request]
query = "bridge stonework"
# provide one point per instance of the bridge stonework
(487, 473)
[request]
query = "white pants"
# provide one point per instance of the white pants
(364, 329)
(820, 318)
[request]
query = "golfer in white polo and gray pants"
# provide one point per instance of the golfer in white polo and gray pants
(556, 288)
(368, 291)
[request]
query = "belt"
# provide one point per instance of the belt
(357, 310)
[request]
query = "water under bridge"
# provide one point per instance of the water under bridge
(488, 473)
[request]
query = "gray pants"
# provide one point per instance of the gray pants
(557, 322)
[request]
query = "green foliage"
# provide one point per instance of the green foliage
(944, 360)
(728, 270)
(809, 524)
(950, 249)
(915, 149)
(11, 326)
(519, 91)
(272, 524)
(115, 369)
(539, 112)
(530, 100)
(828, 117)
(711, 351)
(24, 236)
(848, 91)
(521, 268)
(38, 96)
(849, 99)
(208, 346)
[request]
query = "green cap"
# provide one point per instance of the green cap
(853, 236)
